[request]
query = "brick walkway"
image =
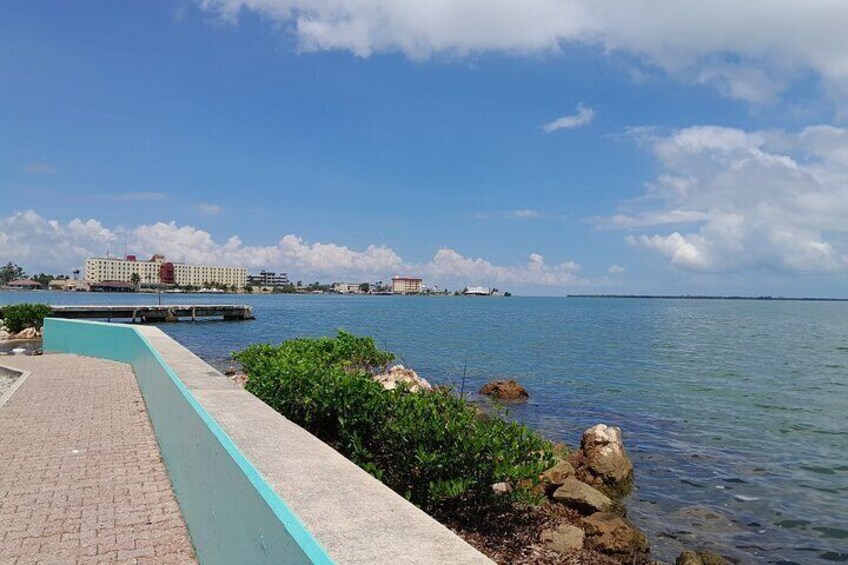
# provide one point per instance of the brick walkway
(81, 478)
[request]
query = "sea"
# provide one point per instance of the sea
(735, 412)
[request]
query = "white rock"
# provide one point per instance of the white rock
(27, 333)
(602, 451)
(502, 488)
(400, 374)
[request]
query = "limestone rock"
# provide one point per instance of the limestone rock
(602, 459)
(556, 475)
(502, 488)
(582, 497)
(400, 374)
(505, 390)
(239, 378)
(563, 538)
(690, 557)
(4, 335)
(711, 558)
(26, 333)
(615, 536)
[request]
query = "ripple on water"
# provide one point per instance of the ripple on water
(834, 533)
(682, 379)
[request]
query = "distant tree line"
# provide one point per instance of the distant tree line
(11, 271)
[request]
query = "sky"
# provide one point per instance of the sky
(545, 147)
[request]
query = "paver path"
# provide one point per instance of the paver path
(81, 478)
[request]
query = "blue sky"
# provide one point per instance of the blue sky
(378, 138)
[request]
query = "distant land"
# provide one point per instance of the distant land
(705, 297)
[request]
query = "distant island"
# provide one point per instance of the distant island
(706, 297)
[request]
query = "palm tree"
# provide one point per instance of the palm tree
(135, 279)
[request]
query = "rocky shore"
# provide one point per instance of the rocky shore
(580, 516)
(27, 334)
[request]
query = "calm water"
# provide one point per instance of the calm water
(734, 412)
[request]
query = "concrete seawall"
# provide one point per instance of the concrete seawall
(253, 486)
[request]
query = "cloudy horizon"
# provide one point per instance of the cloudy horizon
(553, 147)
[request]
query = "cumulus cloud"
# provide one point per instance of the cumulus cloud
(40, 244)
(29, 239)
(583, 116)
(753, 200)
(616, 269)
(209, 209)
(742, 47)
(448, 264)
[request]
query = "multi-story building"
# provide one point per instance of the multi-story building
(157, 271)
(406, 285)
(268, 279)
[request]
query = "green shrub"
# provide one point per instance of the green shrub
(21, 316)
(430, 447)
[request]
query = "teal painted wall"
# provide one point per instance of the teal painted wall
(232, 514)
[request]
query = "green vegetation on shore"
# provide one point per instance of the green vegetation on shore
(18, 317)
(431, 447)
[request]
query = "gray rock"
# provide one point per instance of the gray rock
(563, 538)
(614, 535)
(557, 474)
(602, 457)
(689, 557)
(582, 497)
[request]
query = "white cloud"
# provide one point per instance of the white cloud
(37, 243)
(521, 213)
(526, 213)
(742, 47)
(40, 244)
(583, 116)
(209, 209)
(762, 200)
(448, 264)
(616, 269)
(623, 221)
(39, 168)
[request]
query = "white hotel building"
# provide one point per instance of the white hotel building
(158, 271)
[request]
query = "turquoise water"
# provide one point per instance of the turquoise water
(734, 412)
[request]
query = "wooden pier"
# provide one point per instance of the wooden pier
(154, 313)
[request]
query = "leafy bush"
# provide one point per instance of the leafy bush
(21, 316)
(431, 447)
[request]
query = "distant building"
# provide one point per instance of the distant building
(406, 285)
(24, 284)
(157, 271)
(111, 286)
(268, 279)
(347, 288)
(68, 285)
(477, 291)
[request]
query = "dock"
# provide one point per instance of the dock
(153, 313)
